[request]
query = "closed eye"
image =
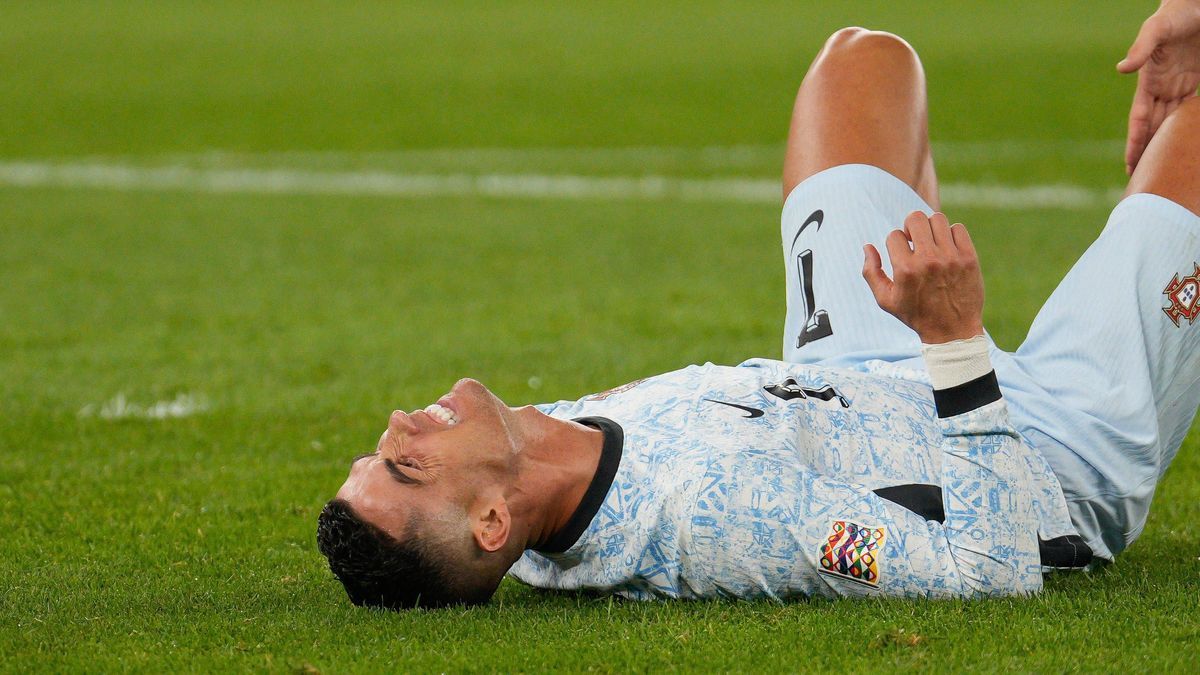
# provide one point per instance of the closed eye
(399, 475)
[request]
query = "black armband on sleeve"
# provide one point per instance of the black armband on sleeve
(967, 396)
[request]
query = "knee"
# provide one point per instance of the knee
(859, 48)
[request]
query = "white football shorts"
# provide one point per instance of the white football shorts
(1106, 384)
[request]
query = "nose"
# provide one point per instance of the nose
(400, 429)
(401, 424)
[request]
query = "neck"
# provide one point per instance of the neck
(556, 468)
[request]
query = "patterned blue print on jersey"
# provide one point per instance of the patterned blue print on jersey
(711, 502)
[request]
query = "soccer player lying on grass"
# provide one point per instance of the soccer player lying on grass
(894, 451)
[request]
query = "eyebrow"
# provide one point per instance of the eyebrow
(399, 475)
(362, 456)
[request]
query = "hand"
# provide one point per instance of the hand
(1166, 56)
(938, 290)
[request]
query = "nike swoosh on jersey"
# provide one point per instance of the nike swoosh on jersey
(815, 218)
(751, 412)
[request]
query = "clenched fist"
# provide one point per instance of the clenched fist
(937, 288)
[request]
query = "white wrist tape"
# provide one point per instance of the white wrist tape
(953, 363)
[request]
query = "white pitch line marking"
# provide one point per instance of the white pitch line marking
(287, 181)
(119, 408)
(716, 156)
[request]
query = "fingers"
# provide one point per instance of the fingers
(916, 226)
(877, 279)
(933, 236)
(939, 225)
(936, 287)
(1146, 115)
(962, 240)
(1144, 120)
(898, 248)
(1139, 131)
(1168, 108)
(930, 238)
(928, 233)
(1151, 34)
(967, 258)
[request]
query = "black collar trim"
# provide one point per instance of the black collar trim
(593, 499)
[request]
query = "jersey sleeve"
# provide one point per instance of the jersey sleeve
(765, 529)
(990, 526)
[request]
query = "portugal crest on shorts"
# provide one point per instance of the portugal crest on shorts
(851, 551)
(1184, 296)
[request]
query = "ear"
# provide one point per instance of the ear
(492, 525)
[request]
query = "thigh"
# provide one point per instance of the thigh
(1108, 380)
(862, 102)
(832, 317)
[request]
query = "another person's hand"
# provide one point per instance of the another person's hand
(1166, 56)
(938, 287)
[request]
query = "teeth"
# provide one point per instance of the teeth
(442, 414)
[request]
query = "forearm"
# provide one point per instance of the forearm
(990, 525)
(989, 532)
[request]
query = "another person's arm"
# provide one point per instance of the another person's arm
(1166, 57)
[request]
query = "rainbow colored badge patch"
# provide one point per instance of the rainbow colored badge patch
(852, 552)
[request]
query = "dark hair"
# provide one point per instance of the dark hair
(379, 571)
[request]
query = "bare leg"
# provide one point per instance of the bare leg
(862, 102)
(1170, 166)
(1108, 382)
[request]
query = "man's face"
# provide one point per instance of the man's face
(435, 461)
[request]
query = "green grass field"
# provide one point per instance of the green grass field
(203, 314)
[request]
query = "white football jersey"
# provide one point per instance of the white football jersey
(780, 480)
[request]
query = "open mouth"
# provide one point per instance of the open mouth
(442, 414)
